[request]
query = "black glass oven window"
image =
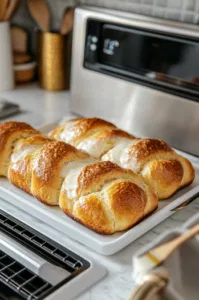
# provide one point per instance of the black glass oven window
(150, 55)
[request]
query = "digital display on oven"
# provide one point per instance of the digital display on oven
(150, 55)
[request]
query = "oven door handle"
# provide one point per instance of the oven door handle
(38, 265)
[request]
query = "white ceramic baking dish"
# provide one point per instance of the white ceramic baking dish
(105, 245)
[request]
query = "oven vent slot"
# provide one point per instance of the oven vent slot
(25, 282)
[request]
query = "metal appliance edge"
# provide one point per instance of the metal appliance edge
(143, 111)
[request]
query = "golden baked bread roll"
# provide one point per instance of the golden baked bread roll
(105, 197)
(160, 166)
(22, 159)
(10, 133)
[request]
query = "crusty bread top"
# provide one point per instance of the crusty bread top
(8, 128)
(127, 199)
(94, 176)
(146, 147)
(14, 126)
(111, 133)
(75, 130)
(27, 146)
(37, 139)
(51, 156)
(82, 126)
(141, 151)
(171, 170)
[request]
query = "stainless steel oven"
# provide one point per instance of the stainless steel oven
(140, 72)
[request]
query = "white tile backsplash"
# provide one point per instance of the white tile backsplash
(181, 10)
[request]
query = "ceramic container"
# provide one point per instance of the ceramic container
(6, 60)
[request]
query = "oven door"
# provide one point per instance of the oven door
(162, 61)
(138, 72)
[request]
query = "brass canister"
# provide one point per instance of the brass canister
(52, 61)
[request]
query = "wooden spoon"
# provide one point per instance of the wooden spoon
(3, 7)
(12, 6)
(67, 21)
(40, 12)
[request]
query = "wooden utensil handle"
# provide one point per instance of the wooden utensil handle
(165, 250)
(11, 9)
(67, 22)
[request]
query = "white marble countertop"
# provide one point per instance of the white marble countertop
(41, 107)
(38, 106)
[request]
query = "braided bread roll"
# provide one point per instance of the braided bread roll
(105, 197)
(10, 134)
(160, 166)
